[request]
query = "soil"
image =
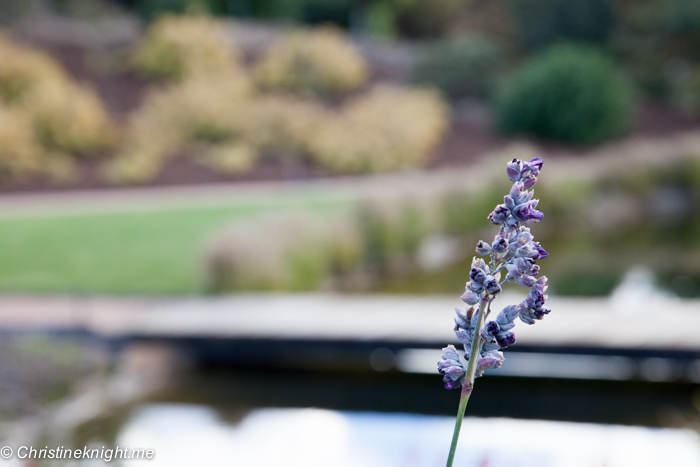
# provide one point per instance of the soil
(470, 137)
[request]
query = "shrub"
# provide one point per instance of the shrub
(298, 251)
(231, 157)
(53, 118)
(338, 12)
(284, 125)
(179, 47)
(544, 22)
(70, 119)
(465, 67)
(24, 71)
(686, 93)
(294, 251)
(322, 61)
(425, 18)
(570, 93)
(204, 113)
(388, 128)
(392, 232)
(20, 156)
(150, 9)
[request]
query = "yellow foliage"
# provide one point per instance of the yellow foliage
(69, 118)
(20, 156)
(177, 48)
(234, 157)
(24, 70)
(284, 124)
(205, 110)
(133, 165)
(322, 61)
(48, 118)
(388, 128)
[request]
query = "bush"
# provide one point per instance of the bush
(176, 48)
(20, 155)
(284, 125)
(150, 9)
(204, 113)
(686, 93)
(294, 251)
(298, 251)
(465, 67)
(544, 22)
(53, 119)
(392, 233)
(570, 93)
(388, 128)
(425, 18)
(322, 61)
(24, 71)
(70, 119)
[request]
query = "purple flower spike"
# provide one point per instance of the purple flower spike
(514, 250)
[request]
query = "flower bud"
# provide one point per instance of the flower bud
(490, 361)
(451, 368)
(534, 165)
(541, 253)
(500, 244)
(491, 329)
(523, 251)
(513, 170)
(483, 248)
(527, 212)
(499, 215)
(491, 285)
(470, 297)
(505, 339)
(477, 275)
(525, 280)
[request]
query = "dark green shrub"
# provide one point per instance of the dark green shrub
(425, 18)
(543, 22)
(465, 67)
(327, 11)
(686, 93)
(150, 9)
(570, 93)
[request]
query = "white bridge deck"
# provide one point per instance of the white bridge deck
(669, 324)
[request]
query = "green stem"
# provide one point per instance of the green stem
(468, 381)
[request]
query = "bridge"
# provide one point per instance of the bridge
(640, 358)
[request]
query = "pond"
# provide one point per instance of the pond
(199, 434)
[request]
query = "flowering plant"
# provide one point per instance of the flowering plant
(514, 250)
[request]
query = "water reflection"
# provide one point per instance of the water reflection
(186, 435)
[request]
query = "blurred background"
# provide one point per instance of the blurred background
(234, 231)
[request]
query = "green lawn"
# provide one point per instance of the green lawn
(119, 253)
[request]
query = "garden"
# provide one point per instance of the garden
(173, 171)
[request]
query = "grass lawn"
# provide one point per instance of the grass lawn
(157, 252)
